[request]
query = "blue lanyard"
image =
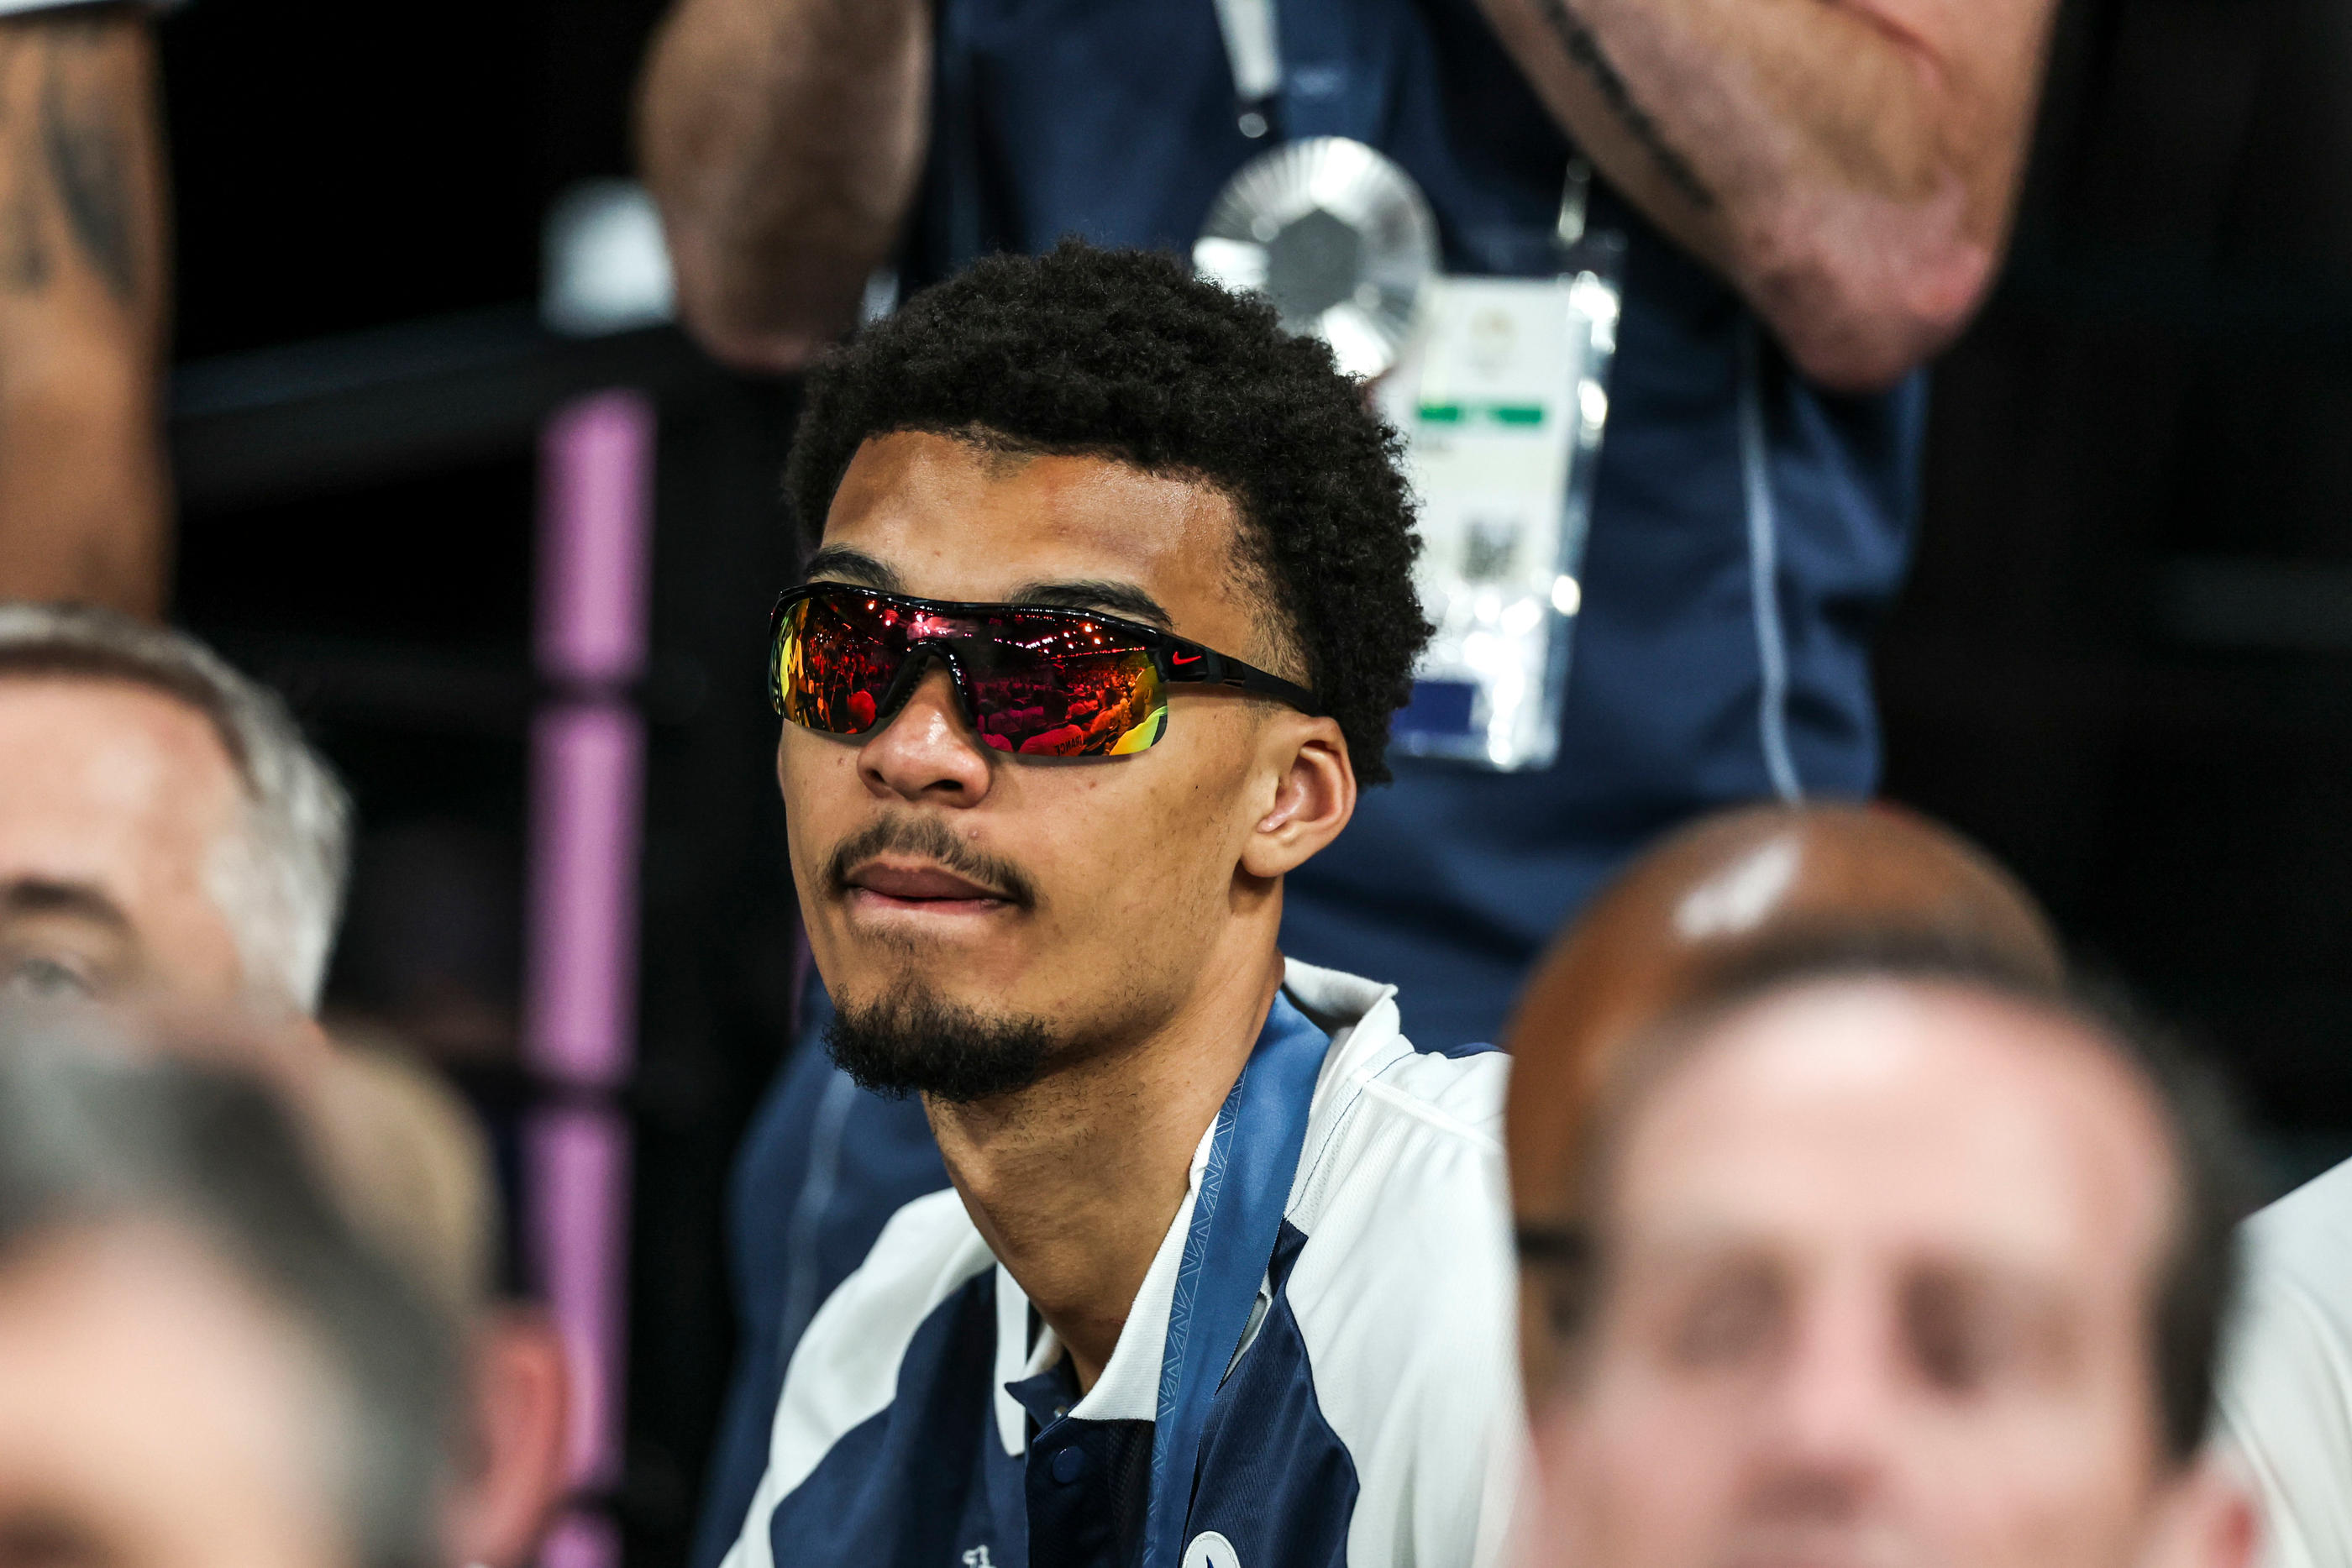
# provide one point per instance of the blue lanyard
(1306, 68)
(1236, 1220)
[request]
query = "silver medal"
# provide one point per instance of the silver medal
(1336, 235)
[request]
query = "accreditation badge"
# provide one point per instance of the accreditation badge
(1502, 400)
(1499, 386)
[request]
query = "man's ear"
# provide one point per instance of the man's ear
(2208, 1520)
(1314, 795)
(518, 1401)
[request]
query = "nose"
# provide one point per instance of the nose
(927, 752)
(1833, 1406)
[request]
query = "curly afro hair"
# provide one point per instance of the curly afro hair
(1122, 354)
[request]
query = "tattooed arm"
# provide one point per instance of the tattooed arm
(782, 139)
(84, 504)
(1851, 166)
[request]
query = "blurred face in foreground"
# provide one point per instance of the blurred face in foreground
(115, 803)
(981, 911)
(1877, 1292)
(154, 1414)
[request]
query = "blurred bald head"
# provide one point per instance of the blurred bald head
(1709, 899)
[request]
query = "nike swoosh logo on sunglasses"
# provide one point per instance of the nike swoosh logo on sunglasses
(1184, 658)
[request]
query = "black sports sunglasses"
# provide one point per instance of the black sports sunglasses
(1031, 680)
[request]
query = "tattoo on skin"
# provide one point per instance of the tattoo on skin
(24, 254)
(89, 164)
(1583, 48)
(24, 258)
(65, 147)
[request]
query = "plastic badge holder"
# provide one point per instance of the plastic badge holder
(1503, 399)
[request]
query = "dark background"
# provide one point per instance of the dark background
(2124, 662)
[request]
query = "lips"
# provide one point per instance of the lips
(923, 887)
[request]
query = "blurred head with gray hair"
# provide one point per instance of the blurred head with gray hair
(164, 827)
(200, 1362)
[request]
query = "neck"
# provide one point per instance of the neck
(1075, 1180)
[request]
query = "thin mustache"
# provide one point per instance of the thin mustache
(929, 838)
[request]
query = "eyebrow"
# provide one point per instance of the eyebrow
(32, 896)
(839, 563)
(1091, 593)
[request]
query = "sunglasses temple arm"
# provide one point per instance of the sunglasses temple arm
(1277, 687)
(1209, 667)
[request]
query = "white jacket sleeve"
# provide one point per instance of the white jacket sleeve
(1406, 1297)
(2284, 1402)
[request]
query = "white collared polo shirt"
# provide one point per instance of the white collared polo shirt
(1354, 1400)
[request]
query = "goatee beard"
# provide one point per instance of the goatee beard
(912, 1040)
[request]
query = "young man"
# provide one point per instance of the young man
(1109, 609)
(1752, 513)
(1892, 1257)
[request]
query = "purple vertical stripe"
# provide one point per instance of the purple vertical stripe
(587, 801)
(597, 474)
(581, 1005)
(579, 1215)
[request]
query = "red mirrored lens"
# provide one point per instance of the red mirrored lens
(835, 660)
(1034, 684)
(1067, 689)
